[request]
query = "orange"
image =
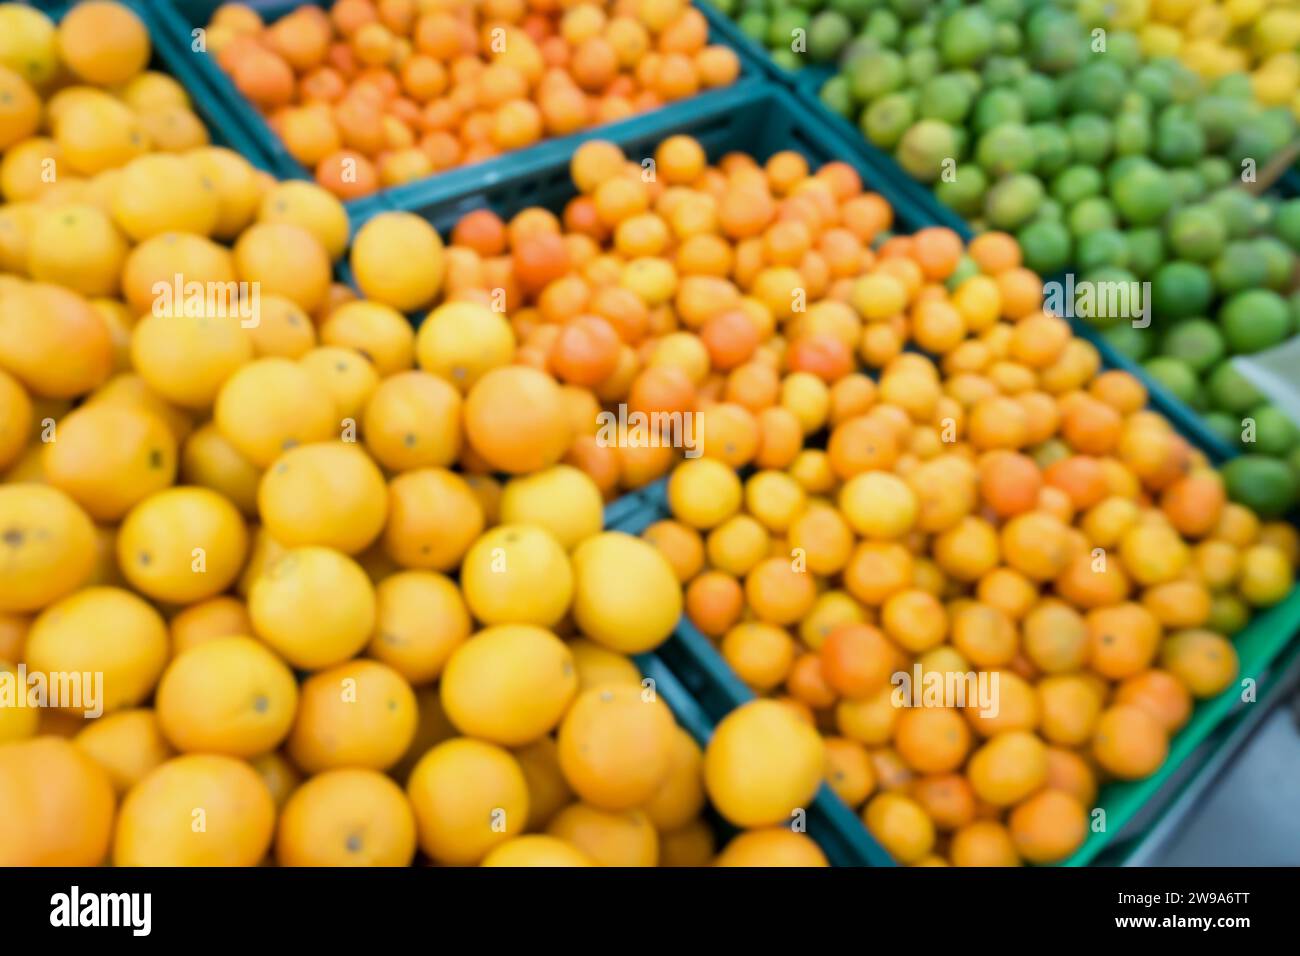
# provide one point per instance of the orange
(616, 746)
(763, 764)
(229, 695)
(1205, 662)
(413, 420)
(625, 594)
(779, 593)
(983, 843)
(714, 602)
(1161, 694)
(607, 837)
(468, 797)
(222, 616)
(514, 418)
(509, 685)
(328, 494)
(397, 259)
(932, 739)
(286, 260)
(314, 606)
(703, 492)
(271, 404)
(536, 850)
(182, 545)
(196, 810)
(1129, 743)
(128, 745)
(1055, 637)
(774, 846)
(760, 654)
(857, 660)
(53, 341)
(1048, 827)
(62, 803)
(901, 827)
(109, 457)
(1008, 768)
(517, 574)
(103, 43)
(346, 817)
(358, 714)
(947, 800)
(1123, 640)
(378, 332)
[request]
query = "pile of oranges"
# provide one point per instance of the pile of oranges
(344, 574)
(1053, 569)
(374, 93)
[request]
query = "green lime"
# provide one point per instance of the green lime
(1197, 233)
(1279, 261)
(1218, 117)
(1179, 141)
(1146, 250)
(1107, 296)
(1098, 87)
(1286, 223)
(1091, 136)
(1009, 10)
(1185, 83)
(1180, 290)
(753, 24)
(876, 74)
(1089, 215)
(1237, 209)
(788, 59)
(1052, 147)
(1265, 485)
(924, 147)
(1003, 70)
(908, 10)
(1230, 391)
(1051, 210)
(1045, 245)
(965, 193)
(1153, 83)
(781, 29)
(1275, 433)
(966, 36)
(1235, 86)
(1103, 247)
(1256, 140)
(884, 26)
(1197, 342)
(1239, 267)
(1076, 183)
(996, 107)
(828, 33)
(1142, 194)
(1132, 133)
(1124, 48)
(1008, 148)
(944, 97)
(1255, 320)
(1224, 426)
(1013, 200)
(1055, 40)
(921, 65)
(1133, 343)
(966, 268)
(886, 120)
(919, 36)
(1215, 170)
(836, 95)
(1177, 377)
(1008, 41)
(1040, 96)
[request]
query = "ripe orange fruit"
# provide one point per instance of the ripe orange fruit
(763, 764)
(61, 801)
(514, 418)
(1129, 743)
(347, 817)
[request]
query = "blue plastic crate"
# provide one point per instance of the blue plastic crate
(182, 17)
(221, 125)
(757, 118)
